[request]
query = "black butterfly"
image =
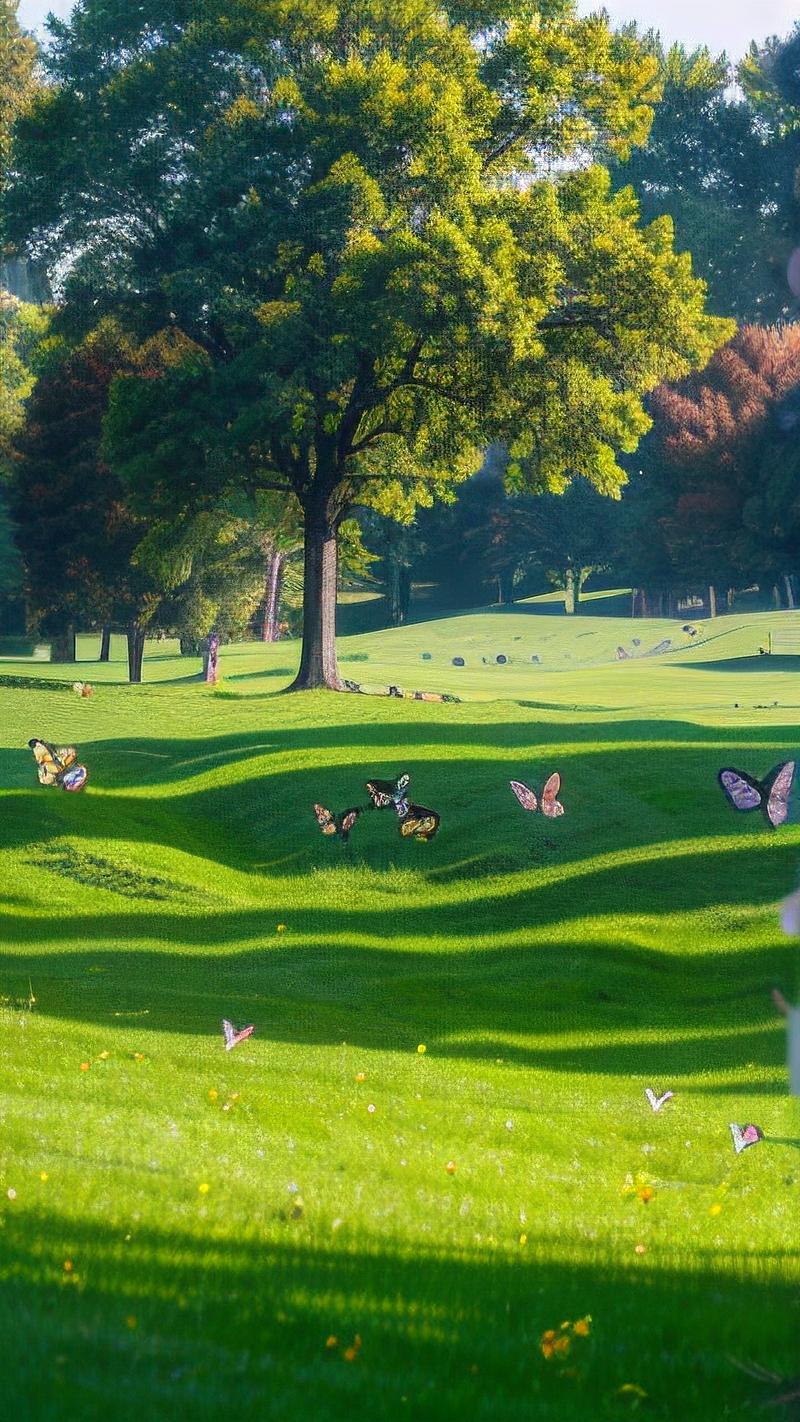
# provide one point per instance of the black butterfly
(384, 793)
(770, 794)
(337, 824)
(419, 822)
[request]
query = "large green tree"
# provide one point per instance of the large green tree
(386, 224)
(712, 164)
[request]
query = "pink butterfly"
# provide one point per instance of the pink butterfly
(744, 1136)
(232, 1037)
(658, 1101)
(551, 806)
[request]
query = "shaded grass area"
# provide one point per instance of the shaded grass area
(550, 971)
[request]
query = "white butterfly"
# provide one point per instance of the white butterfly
(232, 1037)
(744, 1136)
(658, 1101)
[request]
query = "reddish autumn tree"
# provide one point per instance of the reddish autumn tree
(74, 527)
(721, 441)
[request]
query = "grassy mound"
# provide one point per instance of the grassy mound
(185, 1231)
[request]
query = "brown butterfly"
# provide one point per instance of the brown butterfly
(550, 804)
(341, 824)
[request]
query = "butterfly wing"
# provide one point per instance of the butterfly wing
(381, 793)
(388, 792)
(744, 1136)
(346, 823)
(232, 1037)
(551, 805)
(325, 819)
(741, 790)
(420, 822)
(48, 764)
(526, 797)
(658, 1101)
(75, 778)
(779, 783)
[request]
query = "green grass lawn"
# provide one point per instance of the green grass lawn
(182, 1230)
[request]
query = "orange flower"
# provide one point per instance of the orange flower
(451, 1167)
(361, 1076)
(68, 1266)
(332, 1341)
(84, 1066)
(645, 1193)
(583, 1326)
(548, 1343)
(562, 1345)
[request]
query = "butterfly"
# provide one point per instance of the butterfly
(83, 688)
(658, 1101)
(383, 793)
(770, 794)
(56, 765)
(744, 1136)
(419, 822)
(232, 1037)
(550, 804)
(337, 824)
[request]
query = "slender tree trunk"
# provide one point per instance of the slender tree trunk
(211, 660)
(787, 583)
(570, 593)
(135, 652)
(403, 594)
(634, 600)
(272, 595)
(712, 600)
(320, 568)
(776, 596)
(105, 644)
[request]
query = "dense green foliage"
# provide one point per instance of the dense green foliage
(388, 234)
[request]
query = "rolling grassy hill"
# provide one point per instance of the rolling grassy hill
(185, 1231)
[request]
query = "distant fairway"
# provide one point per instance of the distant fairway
(551, 971)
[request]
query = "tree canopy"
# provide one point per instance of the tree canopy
(386, 230)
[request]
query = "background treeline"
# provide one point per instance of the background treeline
(244, 358)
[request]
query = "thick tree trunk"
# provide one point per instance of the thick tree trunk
(62, 647)
(320, 568)
(105, 644)
(272, 596)
(135, 652)
(712, 600)
(505, 588)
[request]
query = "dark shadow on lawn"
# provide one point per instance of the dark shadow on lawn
(478, 1005)
(177, 1325)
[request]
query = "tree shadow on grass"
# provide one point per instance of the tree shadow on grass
(565, 1007)
(171, 1324)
